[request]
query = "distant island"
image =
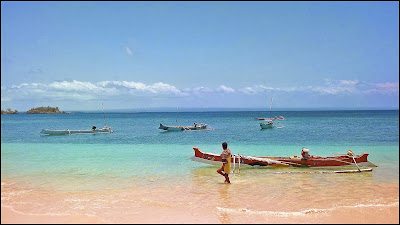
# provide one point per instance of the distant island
(47, 109)
(9, 111)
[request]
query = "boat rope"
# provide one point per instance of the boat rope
(351, 154)
(269, 161)
(105, 124)
(336, 160)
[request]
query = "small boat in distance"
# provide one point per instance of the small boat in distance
(275, 118)
(195, 127)
(269, 123)
(94, 130)
(305, 160)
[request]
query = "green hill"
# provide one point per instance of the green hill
(47, 109)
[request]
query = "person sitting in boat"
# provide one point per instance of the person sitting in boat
(304, 153)
(226, 165)
(93, 127)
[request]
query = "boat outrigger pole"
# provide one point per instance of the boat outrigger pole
(104, 115)
(176, 121)
(270, 111)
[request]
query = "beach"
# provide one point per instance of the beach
(143, 175)
(206, 200)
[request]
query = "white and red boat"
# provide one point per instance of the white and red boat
(305, 160)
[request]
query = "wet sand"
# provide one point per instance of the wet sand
(10, 216)
(382, 215)
(206, 199)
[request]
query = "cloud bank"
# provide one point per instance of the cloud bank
(123, 90)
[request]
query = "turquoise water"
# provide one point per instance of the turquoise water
(138, 152)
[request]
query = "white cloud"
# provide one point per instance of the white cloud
(135, 87)
(128, 51)
(336, 87)
(73, 86)
(117, 90)
(349, 82)
(226, 89)
(257, 89)
(384, 88)
(197, 90)
(391, 86)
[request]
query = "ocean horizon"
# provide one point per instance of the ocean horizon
(220, 109)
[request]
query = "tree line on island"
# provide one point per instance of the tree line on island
(9, 111)
(37, 110)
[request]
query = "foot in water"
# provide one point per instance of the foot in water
(227, 179)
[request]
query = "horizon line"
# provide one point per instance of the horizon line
(230, 109)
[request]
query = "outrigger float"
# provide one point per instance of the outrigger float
(305, 160)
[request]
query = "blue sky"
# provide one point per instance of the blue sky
(76, 55)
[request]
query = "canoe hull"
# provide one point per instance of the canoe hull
(266, 125)
(69, 132)
(313, 161)
(182, 128)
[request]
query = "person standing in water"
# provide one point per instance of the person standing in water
(226, 162)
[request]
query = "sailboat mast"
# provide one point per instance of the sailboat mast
(176, 121)
(104, 115)
(270, 110)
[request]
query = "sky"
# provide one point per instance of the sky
(129, 55)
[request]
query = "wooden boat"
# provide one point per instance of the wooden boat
(69, 132)
(305, 160)
(269, 124)
(183, 128)
(275, 118)
(256, 118)
(94, 130)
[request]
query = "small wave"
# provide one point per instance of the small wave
(76, 200)
(304, 212)
(43, 214)
(16, 193)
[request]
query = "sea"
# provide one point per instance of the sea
(125, 176)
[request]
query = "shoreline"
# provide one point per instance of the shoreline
(204, 200)
(11, 216)
(157, 215)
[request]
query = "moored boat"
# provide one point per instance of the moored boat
(267, 125)
(305, 160)
(275, 118)
(94, 130)
(69, 132)
(183, 128)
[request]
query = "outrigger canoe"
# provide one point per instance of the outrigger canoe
(183, 128)
(297, 161)
(69, 132)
